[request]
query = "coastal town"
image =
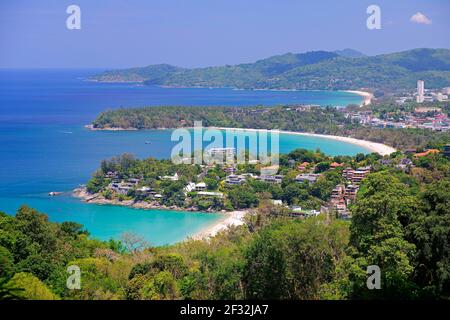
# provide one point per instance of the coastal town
(426, 111)
(420, 118)
(237, 189)
(225, 159)
(305, 184)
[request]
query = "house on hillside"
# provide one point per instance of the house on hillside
(307, 177)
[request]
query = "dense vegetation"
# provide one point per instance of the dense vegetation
(401, 222)
(247, 195)
(311, 70)
(317, 120)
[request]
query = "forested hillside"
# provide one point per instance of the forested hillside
(318, 120)
(312, 70)
(400, 222)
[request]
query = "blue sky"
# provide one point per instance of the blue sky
(193, 33)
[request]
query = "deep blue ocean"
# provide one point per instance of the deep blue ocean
(44, 146)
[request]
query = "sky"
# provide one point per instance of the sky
(198, 33)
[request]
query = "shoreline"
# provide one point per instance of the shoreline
(91, 128)
(376, 147)
(96, 198)
(365, 94)
(231, 218)
(380, 148)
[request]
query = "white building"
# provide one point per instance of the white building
(201, 186)
(220, 152)
(171, 178)
(235, 179)
(441, 97)
(420, 91)
(190, 187)
(210, 194)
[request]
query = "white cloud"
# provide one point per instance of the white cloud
(420, 18)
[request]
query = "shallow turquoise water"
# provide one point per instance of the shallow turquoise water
(44, 146)
(104, 222)
(40, 159)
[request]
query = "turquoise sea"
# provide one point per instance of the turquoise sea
(45, 147)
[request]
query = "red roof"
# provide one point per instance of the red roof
(303, 165)
(423, 154)
(335, 165)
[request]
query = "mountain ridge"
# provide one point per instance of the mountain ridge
(340, 70)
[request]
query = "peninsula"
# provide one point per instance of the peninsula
(352, 124)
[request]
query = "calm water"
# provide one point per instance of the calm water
(44, 147)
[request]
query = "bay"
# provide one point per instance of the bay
(44, 146)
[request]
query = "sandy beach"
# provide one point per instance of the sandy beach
(371, 146)
(233, 218)
(236, 218)
(380, 148)
(366, 95)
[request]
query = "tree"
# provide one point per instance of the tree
(382, 203)
(360, 157)
(31, 288)
(242, 197)
(378, 236)
(321, 167)
(9, 293)
(97, 182)
(192, 286)
(72, 229)
(211, 183)
(430, 232)
(133, 243)
(101, 279)
(35, 225)
(6, 263)
(294, 192)
(293, 259)
(161, 287)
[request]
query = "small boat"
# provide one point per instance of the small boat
(54, 193)
(147, 142)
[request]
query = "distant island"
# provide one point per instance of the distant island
(315, 70)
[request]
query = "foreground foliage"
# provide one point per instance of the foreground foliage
(400, 222)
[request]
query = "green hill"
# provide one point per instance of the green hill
(349, 53)
(341, 70)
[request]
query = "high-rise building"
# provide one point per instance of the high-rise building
(420, 91)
